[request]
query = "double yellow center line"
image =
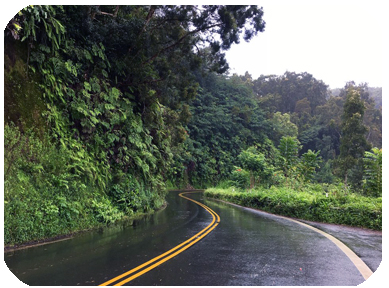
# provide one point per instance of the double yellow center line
(149, 265)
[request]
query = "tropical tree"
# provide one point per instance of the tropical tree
(283, 126)
(289, 148)
(353, 141)
(254, 162)
(309, 162)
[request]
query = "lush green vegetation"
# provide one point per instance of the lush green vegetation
(310, 203)
(225, 118)
(108, 106)
(44, 197)
(96, 100)
(281, 180)
(232, 113)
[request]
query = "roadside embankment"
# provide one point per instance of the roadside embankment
(353, 210)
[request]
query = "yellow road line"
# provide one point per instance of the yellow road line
(191, 242)
(201, 204)
(165, 259)
(156, 258)
(359, 264)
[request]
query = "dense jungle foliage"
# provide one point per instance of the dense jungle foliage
(96, 99)
(106, 107)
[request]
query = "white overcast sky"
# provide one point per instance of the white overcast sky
(335, 41)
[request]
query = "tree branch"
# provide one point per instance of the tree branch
(149, 15)
(179, 41)
(148, 18)
(114, 14)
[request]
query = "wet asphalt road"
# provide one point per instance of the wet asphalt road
(247, 248)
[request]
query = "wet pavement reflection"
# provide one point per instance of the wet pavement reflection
(247, 248)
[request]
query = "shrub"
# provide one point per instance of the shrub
(105, 212)
(240, 178)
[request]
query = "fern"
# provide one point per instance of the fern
(373, 172)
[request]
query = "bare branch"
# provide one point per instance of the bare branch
(114, 14)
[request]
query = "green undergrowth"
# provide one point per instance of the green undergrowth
(45, 197)
(352, 209)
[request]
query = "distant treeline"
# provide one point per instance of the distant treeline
(374, 93)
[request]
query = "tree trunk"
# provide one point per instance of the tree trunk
(345, 178)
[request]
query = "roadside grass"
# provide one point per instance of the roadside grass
(311, 203)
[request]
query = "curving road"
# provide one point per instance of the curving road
(195, 241)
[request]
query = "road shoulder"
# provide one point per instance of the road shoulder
(365, 243)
